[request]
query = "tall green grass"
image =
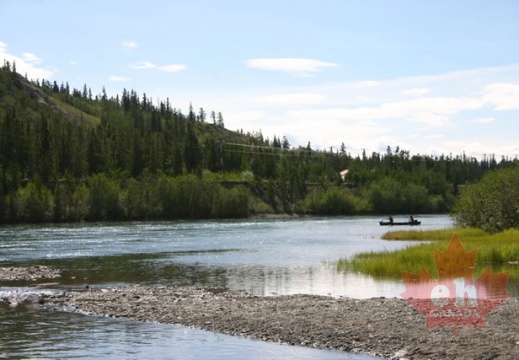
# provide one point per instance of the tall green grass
(500, 251)
(433, 235)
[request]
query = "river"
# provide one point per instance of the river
(257, 256)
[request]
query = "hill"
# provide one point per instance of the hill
(69, 155)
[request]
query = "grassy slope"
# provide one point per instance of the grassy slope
(206, 131)
(74, 114)
(35, 95)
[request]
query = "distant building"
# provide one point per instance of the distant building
(343, 174)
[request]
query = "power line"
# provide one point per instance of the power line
(269, 147)
(286, 154)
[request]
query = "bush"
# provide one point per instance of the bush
(232, 203)
(491, 204)
(34, 203)
(104, 202)
(389, 196)
(333, 201)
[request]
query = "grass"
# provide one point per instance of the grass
(500, 251)
(76, 113)
(433, 235)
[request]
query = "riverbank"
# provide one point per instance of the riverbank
(499, 250)
(389, 328)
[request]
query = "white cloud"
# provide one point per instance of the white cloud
(503, 96)
(173, 67)
(31, 58)
(129, 45)
(166, 68)
(356, 136)
(485, 120)
(415, 92)
(431, 111)
(290, 65)
(292, 99)
(26, 64)
(434, 136)
(250, 117)
(368, 83)
(143, 65)
(118, 78)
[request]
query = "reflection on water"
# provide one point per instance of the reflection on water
(258, 256)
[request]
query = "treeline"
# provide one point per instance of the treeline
(102, 198)
(69, 155)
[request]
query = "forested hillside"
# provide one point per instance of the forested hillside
(69, 155)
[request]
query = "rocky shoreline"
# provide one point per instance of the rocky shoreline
(387, 328)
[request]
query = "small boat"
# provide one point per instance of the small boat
(388, 223)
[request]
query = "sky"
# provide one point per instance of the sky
(431, 77)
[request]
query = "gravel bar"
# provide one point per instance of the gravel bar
(388, 328)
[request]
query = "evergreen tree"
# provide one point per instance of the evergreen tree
(220, 122)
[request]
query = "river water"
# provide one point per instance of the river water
(259, 256)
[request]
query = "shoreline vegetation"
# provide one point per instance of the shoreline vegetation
(497, 250)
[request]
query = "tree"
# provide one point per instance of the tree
(191, 115)
(490, 204)
(193, 152)
(219, 122)
(286, 144)
(201, 115)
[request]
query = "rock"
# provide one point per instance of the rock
(28, 273)
(400, 354)
(371, 326)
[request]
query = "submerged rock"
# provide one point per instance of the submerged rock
(28, 273)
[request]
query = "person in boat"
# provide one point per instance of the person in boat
(411, 219)
(390, 220)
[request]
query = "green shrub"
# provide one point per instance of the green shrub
(491, 204)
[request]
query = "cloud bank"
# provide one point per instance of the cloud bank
(452, 112)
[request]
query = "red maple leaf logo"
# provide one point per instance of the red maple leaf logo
(455, 299)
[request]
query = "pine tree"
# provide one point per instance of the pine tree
(201, 115)
(286, 144)
(220, 120)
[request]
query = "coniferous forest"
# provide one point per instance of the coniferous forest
(67, 155)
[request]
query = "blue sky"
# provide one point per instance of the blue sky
(431, 77)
